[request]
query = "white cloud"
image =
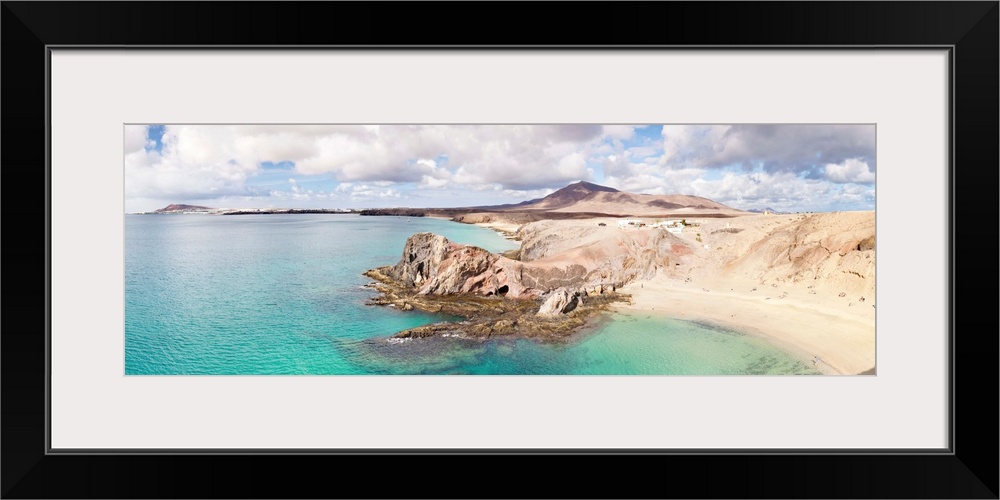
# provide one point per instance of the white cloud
(372, 163)
(850, 170)
(530, 194)
(295, 194)
(433, 183)
(643, 151)
(774, 148)
(365, 192)
(517, 156)
(693, 145)
(136, 138)
(620, 132)
(649, 179)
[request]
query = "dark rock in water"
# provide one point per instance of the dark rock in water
(505, 327)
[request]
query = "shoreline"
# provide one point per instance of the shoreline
(843, 341)
(507, 230)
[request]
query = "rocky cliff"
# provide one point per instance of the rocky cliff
(434, 265)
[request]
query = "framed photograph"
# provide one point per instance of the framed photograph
(490, 249)
(262, 244)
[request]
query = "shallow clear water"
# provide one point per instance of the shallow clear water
(284, 294)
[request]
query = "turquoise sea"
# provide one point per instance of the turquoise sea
(284, 294)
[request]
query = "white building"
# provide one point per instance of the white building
(624, 223)
(672, 226)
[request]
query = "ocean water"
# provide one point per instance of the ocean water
(284, 294)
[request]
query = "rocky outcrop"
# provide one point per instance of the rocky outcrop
(554, 254)
(560, 301)
(434, 265)
(540, 296)
(551, 257)
(422, 256)
(440, 276)
(487, 316)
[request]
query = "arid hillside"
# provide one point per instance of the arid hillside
(585, 197)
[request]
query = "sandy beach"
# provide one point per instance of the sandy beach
(502, 225)
(823, 325)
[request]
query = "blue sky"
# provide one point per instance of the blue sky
(785, 167)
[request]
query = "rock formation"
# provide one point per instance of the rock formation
(434, 265)
(496, 295)
(561, 301)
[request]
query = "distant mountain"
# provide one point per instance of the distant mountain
(569, 195)
(563, 197)
(592, 198)
(180, 207)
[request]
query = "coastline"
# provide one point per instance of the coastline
(508, 230)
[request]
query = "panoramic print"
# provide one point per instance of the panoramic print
(583, 249)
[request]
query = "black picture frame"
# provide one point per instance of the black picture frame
(969, 29)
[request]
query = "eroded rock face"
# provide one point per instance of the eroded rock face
(440, 276)
(422, 255)
(434, 265)
(464, 269)
(560, 301)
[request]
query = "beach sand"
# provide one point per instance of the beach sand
(806, 325)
